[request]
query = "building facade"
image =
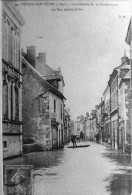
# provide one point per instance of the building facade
(12, 22)
(124, 114)
(76, 127)
(129, 42)
(67, 124)
(43, 102)
(115, 78)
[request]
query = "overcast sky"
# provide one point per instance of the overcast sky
(86, 45)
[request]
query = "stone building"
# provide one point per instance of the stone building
(71, 128)
(129, 42)
(98, 122)
(12, 22)
(107, 129)
(82, 128)
(43, 102)
(92, 125)
(124, 113)
(67, 124)
(115, 78)
(76, 128)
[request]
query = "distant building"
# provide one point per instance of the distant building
(76, 125)
(82, 127)
(98, 122)
(67, 124)
(71, 128)
(43, 102)
(12, 22)
(107, 129)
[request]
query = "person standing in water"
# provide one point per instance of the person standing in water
(73, 140)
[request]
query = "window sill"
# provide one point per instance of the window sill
(12, 121)
(5, 149)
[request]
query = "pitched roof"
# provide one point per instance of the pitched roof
(51, 87)
(128, 75)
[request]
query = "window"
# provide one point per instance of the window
(5, 100)
(13, 47)
(5, 39)
(54, 105)
(61, 111)
(16, 103)
(11, 43)
(4, 144)
(9, 101)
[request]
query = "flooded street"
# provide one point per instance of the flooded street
(96, 169)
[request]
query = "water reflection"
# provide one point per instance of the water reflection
(38, 159)
(119, 183)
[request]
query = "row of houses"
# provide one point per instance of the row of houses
(33, 100)
(110, 121)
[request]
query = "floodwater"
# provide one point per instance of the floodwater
(96, 169)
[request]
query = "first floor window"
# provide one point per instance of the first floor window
(61, 111)
(5, 100)
(54, 105)
(4, 144)
(16, 103)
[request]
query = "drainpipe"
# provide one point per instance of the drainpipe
(117, 114)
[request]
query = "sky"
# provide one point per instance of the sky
(87, 45)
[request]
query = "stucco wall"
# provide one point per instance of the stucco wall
(14, 146)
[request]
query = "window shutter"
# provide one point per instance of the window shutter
(13, 47)
(9, 44)
(12, 39)
(6, 41)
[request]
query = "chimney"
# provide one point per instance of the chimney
(124, 59)
(41, 58)
(31, 55)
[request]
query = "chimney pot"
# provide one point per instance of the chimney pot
(124, 59)
(42, 57)
(31, 55)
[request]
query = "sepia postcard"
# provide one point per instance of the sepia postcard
(66, 97)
